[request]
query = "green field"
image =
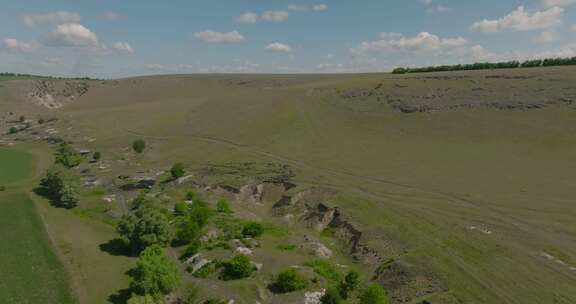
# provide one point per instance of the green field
(14, 165)
(30, 270)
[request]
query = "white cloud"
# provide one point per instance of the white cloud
(320, 7)
(72, 35)
(546, 37)
(11, 44)
(59, 17)
(278, 47)
(522, 20)
(210, 36)
(559, 3)
(395, 42)
(275, 16)
(123, 47)
(247, 17)
(432, 7)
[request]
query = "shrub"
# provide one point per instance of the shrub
(13, 130)
(325, 270)
(190, 196)
(177, 170)
(288, 281)
(144, 226)
(187, 230)
(97, 156)
(41, 120)
(252, 230)
(181, 209)
(191, 249)
(223, 206)
(375, 294)
(22, 118)
(205, 271)
(139, 146)
(138, 299)
(238, 268)
(67, 156)
(349, 284)
(200, 212)
(60, 186)
(155, 273)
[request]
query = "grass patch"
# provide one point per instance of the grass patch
(325, 270)
(286, 247)
(15, 165)
(31, 272)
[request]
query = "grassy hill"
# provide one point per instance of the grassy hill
(472, 171)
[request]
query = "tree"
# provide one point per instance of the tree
(187, 230)
(191, 249)
(97, 156)
(144, 226)
(332, 296)
(13, 130)
(252, 230)
(374, 294)
(223, 206)
(138, 146)
(200, 212)
(177, 170)
(155, 273)
(60, 186)
(349, 284)
(138, 299)
(237, 268)
(288, 281)
(67, 156)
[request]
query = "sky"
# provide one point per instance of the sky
(121, 38)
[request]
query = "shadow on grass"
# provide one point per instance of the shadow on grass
(121, 296)
(118, 247)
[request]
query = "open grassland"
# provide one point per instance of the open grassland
(31, 272)
(479, 185)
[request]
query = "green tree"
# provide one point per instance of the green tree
(60, 186)
(374, 294)
(177, 170)
(139, 146)
(288, 281)
(349, 284)
(332, 296)
(13, 130)
(237, 268)
(97, 156)
(223, 206)
(155, 273)
(200, 212)
(191, 249)
(252, 230)
(67, 156)
(144, 226)
(187, 230)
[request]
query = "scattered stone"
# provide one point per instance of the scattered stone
(314, 297)
(244, 250)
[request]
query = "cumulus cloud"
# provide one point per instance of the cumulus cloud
(123, 47)
(72, 35)
(210, 36)
(559, 3)
(395, 42)
(247, 17)
(546, 37)
(275, 16)
(59, 17)
(521, 20)
(278, 47)
(11, 44)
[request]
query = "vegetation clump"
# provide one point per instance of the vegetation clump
(177, 171)
(155, 273)
(253, 230)
(223, 206)
(350, 283)
(139, 146)
(374, 294)
(60, 186)
(238, 268)
(288, 281)
(67, 156)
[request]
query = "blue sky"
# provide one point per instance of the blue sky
(113, 38)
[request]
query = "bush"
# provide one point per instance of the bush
(200, 213)
(238, 268)
(22, 118)
(139, 146)
(137, 299)
(177, 170)
(191, 249)
(67, 156)
(41, 120)
(155, 273)
(13, 130)
(187, 230)
(97, 156)
(252, 230)
(331, 297)
(205, 271)
(190, 196)
(181, 209)
(349, 284)
(325, 270)
(288, 281)
(375, 294)
(223, 206)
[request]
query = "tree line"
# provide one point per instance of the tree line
(489, 65)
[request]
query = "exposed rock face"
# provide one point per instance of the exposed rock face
(266, 192)
(320, 218)
(54, 94)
